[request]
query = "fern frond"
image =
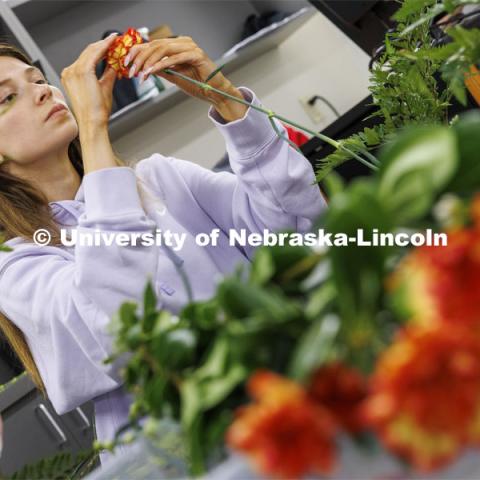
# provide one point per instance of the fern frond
(411, 7)
(57, 467)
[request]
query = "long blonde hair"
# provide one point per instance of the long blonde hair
(23, 210)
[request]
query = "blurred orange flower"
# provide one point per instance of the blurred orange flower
(425, 394)
(442, 284)
(119, 50)
(284, 432)
(341, 390)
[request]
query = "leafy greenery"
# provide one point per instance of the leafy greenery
(61, 466)
(189, 367)
(360, 142)
(402, 81)
(297, 307)
(456, 57)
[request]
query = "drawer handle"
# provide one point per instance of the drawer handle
(83, 417)
(52, 422)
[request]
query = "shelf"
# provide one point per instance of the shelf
(31, 12)
(145, 109)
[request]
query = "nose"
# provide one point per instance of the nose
(43, 93)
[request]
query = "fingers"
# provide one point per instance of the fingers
(167, 62)
(146, 55)
(108, 77)
(94, 52)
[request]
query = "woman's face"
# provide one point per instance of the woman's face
(25, 101)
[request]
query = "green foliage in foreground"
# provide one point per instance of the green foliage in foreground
(296, 307)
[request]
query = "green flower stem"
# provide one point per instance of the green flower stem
(371, 157)
(272, 114)
(274, 125)
(360, 159)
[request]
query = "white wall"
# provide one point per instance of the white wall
(317, 59)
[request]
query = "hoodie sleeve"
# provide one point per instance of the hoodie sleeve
(63, 303)
(273, 185)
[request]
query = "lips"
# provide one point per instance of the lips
(56, 108)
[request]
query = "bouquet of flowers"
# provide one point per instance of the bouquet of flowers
(381, 343)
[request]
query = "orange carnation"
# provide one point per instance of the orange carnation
(284, 432)
(443, 283)
(341, 390)
(425, 400)
(119, 50)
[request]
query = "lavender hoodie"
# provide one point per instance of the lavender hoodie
(62, 298)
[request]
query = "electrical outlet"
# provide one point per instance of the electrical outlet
(313, 111)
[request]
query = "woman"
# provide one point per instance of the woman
(57, 300)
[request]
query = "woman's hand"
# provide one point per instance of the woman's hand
(182, 55)
(91, 98)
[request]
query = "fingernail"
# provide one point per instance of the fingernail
(112, 34)
(142, 77)
(148, 70)
(132, 71)
(127, 60)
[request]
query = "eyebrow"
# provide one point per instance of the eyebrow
(26, 71)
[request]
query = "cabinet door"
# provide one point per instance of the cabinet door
(80, 422)
(31, 431)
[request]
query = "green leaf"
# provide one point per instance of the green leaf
(333, 184)
(134, 337)
(241, 300)
(434, 11)
(214, 390)
(262, 268)
(358, 208)
(60, 466)
(128, 313)
(216, 361)
(154, 395)
(410, 8)
(149, 299)
(413, 197)
(425, 157)
(121, 322)
(388, 46)
(440, 53)
(286, 257)
(314, 348)
(191, 402)
(214, 432)
(164, 322)
(467, 176)
(175, 349)
(319, 300)
(326, 165)
(371, 136)
(456, 84)
(199, 395)
(204, 315)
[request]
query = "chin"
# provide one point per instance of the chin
(59, 140)
(69, 132)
